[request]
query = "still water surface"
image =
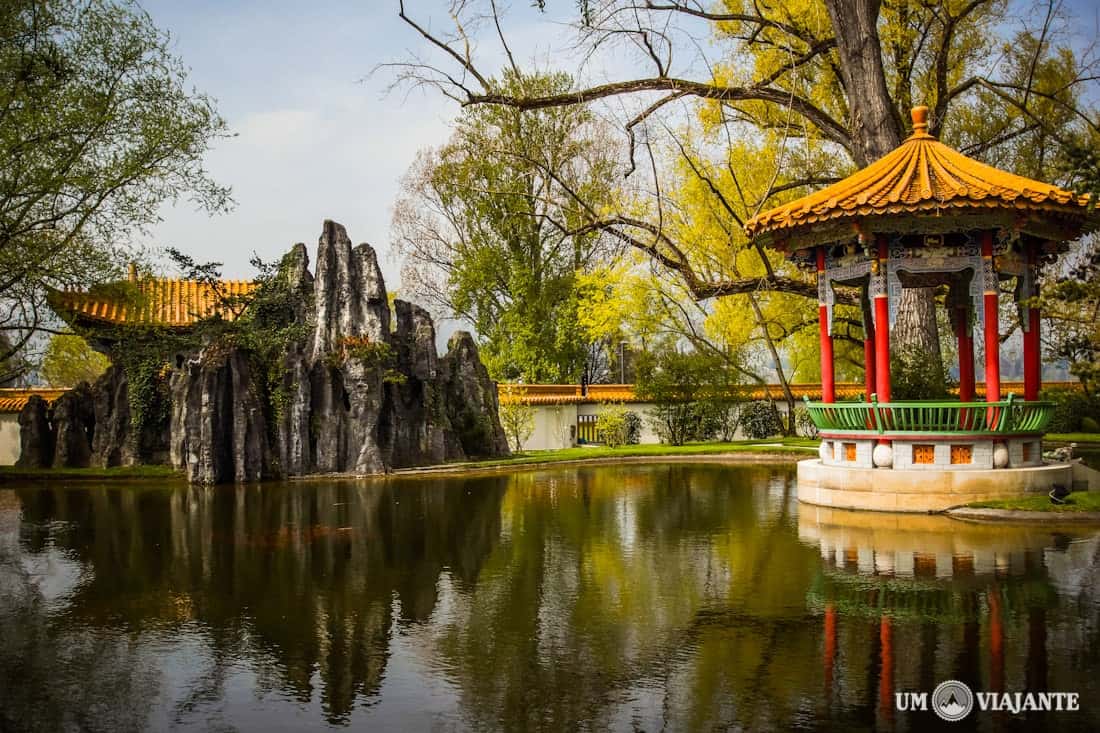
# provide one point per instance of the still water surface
(653, 597)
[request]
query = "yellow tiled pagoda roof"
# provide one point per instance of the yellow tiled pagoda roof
(922, 176)
(13, 400)
(152, 301)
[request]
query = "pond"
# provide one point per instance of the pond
(634, 597)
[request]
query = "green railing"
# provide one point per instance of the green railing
(992, 418)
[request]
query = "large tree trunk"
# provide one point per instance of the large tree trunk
(876, 130)
(916, 325)
(873, 119)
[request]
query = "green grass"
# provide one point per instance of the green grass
(1072, 438)
(117, 472)
(1079, 501)
(785, 447)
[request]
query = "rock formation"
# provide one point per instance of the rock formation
(36, 438)
(355, 396)
(218, 430)
(73, 420)
(112, 444)
(471, 398)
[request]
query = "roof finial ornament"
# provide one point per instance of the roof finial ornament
(920, 121)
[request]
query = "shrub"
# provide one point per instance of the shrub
(714, 419)
(1071, 408)
(611, 426)
(913, 376)
(760, 420)
(803, 423)
(673, 422)
(1089, 425)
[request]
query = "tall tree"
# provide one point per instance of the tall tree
(826, 84)
(490, 228)
(1070, 295)
(98, 128)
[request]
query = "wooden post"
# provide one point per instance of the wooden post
(828, 373)
(992, 324)
(1033, 369)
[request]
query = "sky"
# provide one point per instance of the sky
(316, 135)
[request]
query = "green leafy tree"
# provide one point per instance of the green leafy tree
(1070, 296)
(688, 389)
(98, 128)
(14, 366)
(788, 97)
(488, 226)
(69, 360)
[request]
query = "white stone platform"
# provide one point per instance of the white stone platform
(921, 490)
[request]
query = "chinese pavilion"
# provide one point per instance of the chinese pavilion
(926, 215)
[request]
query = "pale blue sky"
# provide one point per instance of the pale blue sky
(314, 139)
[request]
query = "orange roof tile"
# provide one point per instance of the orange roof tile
(12, 400)
(154, 301)
(569, 394)
(924, 176)
(566, 394)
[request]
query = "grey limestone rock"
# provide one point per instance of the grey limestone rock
(112, 443)
(73, 420)
(218, 429)
(471, 398)
(36, 440)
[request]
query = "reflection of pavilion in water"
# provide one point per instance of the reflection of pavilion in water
(933, 574)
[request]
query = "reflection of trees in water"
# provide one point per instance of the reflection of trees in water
(674, 596)
(649, 595)
(300, 579)
(45, 667)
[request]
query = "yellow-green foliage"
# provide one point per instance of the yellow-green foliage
(516, 416)
(69, 360)
(611, 426)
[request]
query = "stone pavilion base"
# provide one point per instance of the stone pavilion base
(921, 490)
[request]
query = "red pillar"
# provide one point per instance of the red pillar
(966, 356)
(886, 678)
(1033, 369)
(882, 330)
(830, 647)
(992, 329)
(828, 373)
(868, 367)
(996, 642)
